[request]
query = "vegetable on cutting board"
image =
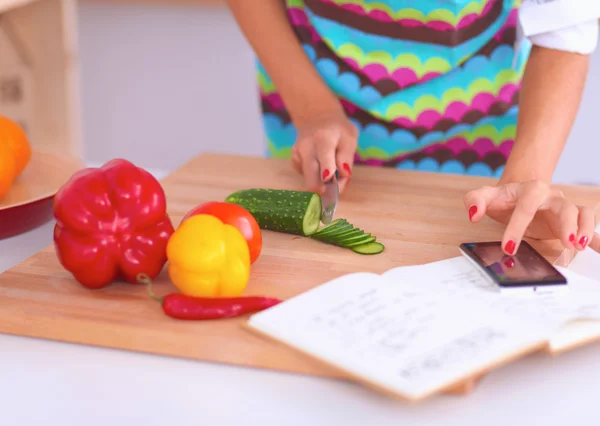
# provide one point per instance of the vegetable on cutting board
(290, 212)
(299, 213)
(15, 153)
(184, 307)
(237, 216)
(343, 234)
(111, 223)
(208, 258)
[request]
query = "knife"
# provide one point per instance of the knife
(329, 199)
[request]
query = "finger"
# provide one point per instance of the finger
(565, 221)
(296, 160)
(326, 145)
(530, 197)
(477, 201)
(345, 155)
(310, 168)
(595, 242)
(343, 183)
(587, 224)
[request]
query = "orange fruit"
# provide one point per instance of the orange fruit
(14, 137)
(15, 153)
(7, 170)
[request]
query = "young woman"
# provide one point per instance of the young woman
(477, 87)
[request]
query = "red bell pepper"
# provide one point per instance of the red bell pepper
(111, 224)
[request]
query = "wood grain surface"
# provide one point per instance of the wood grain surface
(420, 218)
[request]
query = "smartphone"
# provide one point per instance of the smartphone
(526, 271)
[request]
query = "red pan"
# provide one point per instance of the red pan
(29, 203)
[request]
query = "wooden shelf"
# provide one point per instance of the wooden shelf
(39, 72)
(39, 68)
(163, 2)
(6, 5)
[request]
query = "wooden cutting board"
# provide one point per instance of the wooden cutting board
(420, 218)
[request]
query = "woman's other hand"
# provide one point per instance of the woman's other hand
(533, 209)
(325, 144)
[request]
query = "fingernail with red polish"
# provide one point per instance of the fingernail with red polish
(325, 174)
(509, 263)
(572, 237)
(583, 242)
(510, 247)
(347, 168)
(472, 212)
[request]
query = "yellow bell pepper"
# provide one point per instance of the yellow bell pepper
(208, 258)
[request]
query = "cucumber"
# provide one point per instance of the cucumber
(369, 248)
(336, 223)
(346, 242)
(335, 233)
(339, 240)
(299, 213)
(345, 235)
(334, 227)
(280, 210)
(362, 241)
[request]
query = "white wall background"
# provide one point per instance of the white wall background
(161, 84)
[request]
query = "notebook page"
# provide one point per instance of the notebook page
(458, 279)
(407, 341)
(587, 264)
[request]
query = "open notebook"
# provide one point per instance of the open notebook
(577, 333)
(419, 330)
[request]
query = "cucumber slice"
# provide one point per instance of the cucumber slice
(336, 223)
(369, 248)
(347, 241)
(290, 212)
(347, 235)
(334, 227)
(333, 233)
(360, 242)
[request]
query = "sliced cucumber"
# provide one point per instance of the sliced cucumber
(347, 235)
(348, 241)
(299, 212)
(291, 212)
(334, 227)
(369, 248)
(361, 241)
(343, 234)
(332, 233)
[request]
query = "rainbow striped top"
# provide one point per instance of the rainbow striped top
(432, 85)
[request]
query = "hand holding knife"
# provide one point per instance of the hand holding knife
(329, 199)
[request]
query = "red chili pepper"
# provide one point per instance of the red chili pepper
(181, 306)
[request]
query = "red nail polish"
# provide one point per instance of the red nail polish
(509, 263)
(510, 247)
(472, 212)
(347, 168)
(583, 241)
(572, 237)
(325, 174)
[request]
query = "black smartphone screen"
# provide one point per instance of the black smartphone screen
(526, 268)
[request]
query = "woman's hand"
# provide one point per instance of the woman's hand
(325, 144)
(533, 209)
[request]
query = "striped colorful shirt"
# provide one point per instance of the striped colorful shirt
(432, 85)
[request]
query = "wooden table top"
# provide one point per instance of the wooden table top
(419, 217)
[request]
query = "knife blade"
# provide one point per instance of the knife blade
(329, 199)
